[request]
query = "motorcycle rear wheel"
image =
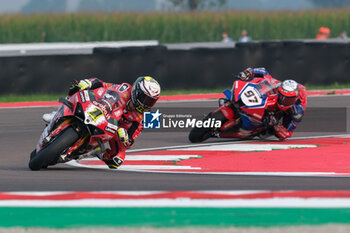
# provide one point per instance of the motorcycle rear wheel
(54, 149)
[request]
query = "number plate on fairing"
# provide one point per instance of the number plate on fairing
(251, 97)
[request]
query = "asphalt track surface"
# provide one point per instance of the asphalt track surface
(20, 130)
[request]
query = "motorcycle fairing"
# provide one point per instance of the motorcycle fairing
(85, 107)
(228, 94)
(250, 123)
(251, 97)
(49, 127)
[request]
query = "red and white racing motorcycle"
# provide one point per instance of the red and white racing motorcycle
(243, 112)
(79, 129)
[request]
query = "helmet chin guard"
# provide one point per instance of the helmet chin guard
(145, 93)
(288, 94)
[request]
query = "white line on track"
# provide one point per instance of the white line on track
(180, 169)
(159, 157)
(140, 157)
(140, 168)
(187, 202)
(169, 199)
(229, 142)
(248, 147)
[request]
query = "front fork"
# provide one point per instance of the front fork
(231, 116)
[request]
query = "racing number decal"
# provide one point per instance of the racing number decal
(251, 96)
(95, 114)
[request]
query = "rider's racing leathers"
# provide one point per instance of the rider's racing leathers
(287, 120)
(121, 115)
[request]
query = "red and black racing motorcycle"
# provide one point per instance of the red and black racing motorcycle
(79, 129)
(242, 113)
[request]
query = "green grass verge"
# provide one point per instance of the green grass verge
(331, 86)
(53, 97)
(28, 98)
(65, 217)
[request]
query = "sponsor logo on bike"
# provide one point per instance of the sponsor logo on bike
(82, 97)
(112, 131)
(103, 108)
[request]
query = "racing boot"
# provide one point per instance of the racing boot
(47, 117)
(113, 163)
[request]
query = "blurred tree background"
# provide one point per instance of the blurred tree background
(110, 5)
(193, 5)
(45, 6)
(175, 27)
(174, 21)
(175, 5)
(330, 3)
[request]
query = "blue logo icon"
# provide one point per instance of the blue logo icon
(151, 120)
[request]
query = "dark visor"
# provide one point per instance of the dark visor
(146, 100)
(286, 100)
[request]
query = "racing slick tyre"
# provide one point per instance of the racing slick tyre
(202, 134)
(53, 150)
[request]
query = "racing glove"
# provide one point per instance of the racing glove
(84, 84)
(123, 136)
(270, 119)
(246, 74)
(79, 85)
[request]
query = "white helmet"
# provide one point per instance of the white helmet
(145, 93)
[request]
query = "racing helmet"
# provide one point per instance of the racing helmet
(288, 94)
(145, 93)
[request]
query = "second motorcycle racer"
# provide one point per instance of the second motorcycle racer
(291, 103)
(257, 105)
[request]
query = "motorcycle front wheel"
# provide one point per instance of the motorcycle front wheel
(53, 150)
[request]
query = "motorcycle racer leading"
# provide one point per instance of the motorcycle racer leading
(291, 103)
(126, 105)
